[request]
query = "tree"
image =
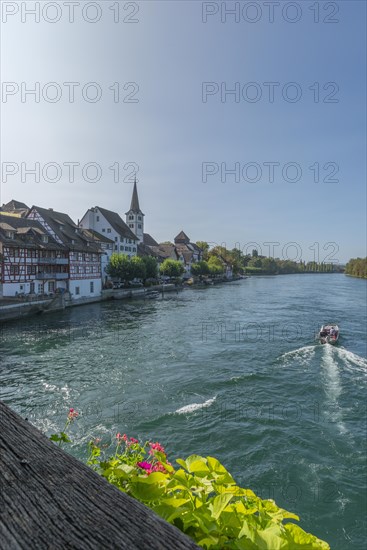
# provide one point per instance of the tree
(114, 266)
(357, 267)
(216, 265)
(138, 268)
(119, 267)
(200, 268)
(151, 267)
(171, 268)
(204, 247)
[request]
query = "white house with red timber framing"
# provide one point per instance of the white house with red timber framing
(84, 254)
(31, 260)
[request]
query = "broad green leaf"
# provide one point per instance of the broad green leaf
(302, 540)
(208, 542)
(219, 503)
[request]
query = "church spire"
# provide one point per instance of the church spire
(135, 217)
(134, 207)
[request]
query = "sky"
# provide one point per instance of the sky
(145, 87)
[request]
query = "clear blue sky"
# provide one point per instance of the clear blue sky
(170, 132)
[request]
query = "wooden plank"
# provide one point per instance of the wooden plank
(48, 499)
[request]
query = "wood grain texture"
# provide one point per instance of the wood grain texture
(50, 500)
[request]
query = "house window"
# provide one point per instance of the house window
(39, 288)
(103, 230)
(91, 287)
(45, 238)
(139, 218)
(126, 248)
(131, 225)
(51, 286)
(131, 217)
(32, 288)
(109, 230)
(116, 239)
(139, 225)
(121, 247)
(97, 218)
(134, 249)
(77, 290)
(21, 288)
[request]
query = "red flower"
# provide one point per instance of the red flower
(156, 447)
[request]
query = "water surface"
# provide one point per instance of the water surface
(231, 371)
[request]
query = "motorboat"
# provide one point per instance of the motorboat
(329, 334)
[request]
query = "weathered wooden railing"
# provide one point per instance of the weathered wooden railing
(48, 499)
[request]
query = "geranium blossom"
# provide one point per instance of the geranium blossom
(156, 447)
(72, 414)
(145, 465)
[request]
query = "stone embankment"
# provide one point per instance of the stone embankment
(18, 308)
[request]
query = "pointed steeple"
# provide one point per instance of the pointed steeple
(134, 206)
(135, 217)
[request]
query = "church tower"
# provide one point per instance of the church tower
(135, 217)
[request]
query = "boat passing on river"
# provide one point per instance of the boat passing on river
(329, 334)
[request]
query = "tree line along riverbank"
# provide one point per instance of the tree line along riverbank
(357, 267)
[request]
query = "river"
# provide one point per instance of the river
(231, 371)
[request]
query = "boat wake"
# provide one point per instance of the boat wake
(351, 360)
(302, 355)
(333, 388)
(187, 409)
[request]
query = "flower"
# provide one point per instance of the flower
(145, 466)
(72, 414)
(156, 447)
(133, 440)
(159, 468)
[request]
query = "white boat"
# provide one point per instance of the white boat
(329, 334)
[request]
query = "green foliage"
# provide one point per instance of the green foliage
(204, 247)
(120, 267)
(357, 267)
(126, 269)
(171, 268)
(202, 499)
(151, 267)
(200, 268)
(60, 438)
(138, 268)
(216, 265)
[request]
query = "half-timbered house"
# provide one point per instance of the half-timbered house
(32, 262)
(84, 253)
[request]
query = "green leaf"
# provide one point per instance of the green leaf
(54, 437)
(219, 504)
(303, 540)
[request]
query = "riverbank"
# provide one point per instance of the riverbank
(15, 309)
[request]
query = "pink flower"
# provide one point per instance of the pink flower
(156, 447)
(145, 466)
(119, 437)
(72, 414)
(159, 468)
(132, 440)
